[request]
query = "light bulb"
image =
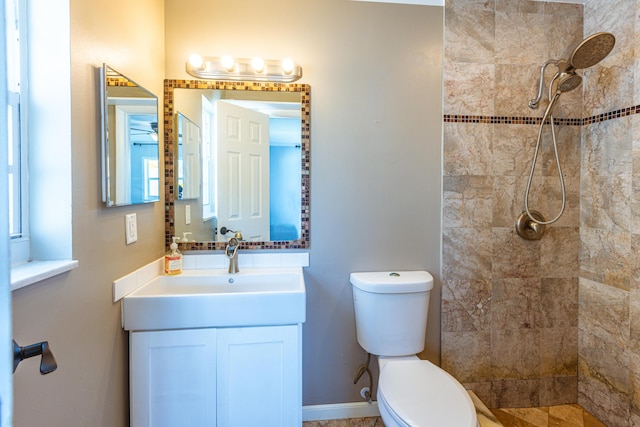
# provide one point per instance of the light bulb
(196, 60)
(228, 63)
(257, 64)
(287, 66)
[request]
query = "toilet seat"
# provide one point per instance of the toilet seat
(418, 393)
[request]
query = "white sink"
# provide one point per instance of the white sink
(215, 298)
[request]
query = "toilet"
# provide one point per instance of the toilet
(391, 320)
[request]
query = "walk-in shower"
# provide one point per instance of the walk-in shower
(530, 224)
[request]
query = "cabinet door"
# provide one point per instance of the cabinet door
(173, 378)
(259, 377)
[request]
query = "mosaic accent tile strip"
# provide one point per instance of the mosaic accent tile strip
(519, 120)
(169, 170)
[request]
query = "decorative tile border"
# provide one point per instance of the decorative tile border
(169, 137)
(515, 120)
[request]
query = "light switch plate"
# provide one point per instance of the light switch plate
(187, 214)
(131, 228)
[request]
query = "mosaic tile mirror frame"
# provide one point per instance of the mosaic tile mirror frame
(170, 137)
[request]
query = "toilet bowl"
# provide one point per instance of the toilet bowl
(391, 317)
(417, 393)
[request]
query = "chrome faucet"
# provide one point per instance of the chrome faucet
(231, 251)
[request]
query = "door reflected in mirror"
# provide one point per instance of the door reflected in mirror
(130, 148)
(239, 156)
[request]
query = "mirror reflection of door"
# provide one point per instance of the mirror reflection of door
(243, 170)
(189, 158)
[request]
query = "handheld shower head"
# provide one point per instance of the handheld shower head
(566, 82)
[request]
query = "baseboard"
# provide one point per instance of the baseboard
(340, 411)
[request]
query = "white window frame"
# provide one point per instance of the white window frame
(49, 144)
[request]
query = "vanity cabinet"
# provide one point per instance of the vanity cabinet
(223, 377)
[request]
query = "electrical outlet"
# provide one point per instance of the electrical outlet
(187, 214)
(131, 228)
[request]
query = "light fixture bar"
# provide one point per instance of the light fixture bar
(243, 69)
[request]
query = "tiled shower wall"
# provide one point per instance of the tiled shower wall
(609, 310)
(519, 326)
(509, 306)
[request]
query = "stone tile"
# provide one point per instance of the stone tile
(469, 90)
(469, 35)
(603, 312)
(463, 261)
(559, 250)
(566, 416)
(481, 389)
(558, 352)
(515, 354)
(513, 148)
(366, 422)
(327, 423)
(518, 38)
(467, 149)
(601, 405)
(515, 303)
(634, 320)
(504, 415)
(568, 144)
(467, 201)
(514, 88)
(513, 256)
(467, 355)
(466, 305)
(531, 417)
(606, 202)
(508, 199)
(605, 366)
(558, 390)
(559, 302)
(522, 6)
(605, 257)
(514, 393)
(607, 147)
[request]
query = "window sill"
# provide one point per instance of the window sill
(32, 272)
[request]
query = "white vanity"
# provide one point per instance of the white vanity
(208, 348)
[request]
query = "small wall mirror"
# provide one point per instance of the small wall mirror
(130, 149)
(237, 158)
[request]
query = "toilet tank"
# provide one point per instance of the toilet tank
(391, 311)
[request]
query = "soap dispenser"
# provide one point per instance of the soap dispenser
(173, 259)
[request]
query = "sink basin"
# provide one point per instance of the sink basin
(215, 298)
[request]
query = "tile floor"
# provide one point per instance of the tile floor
(553, 416)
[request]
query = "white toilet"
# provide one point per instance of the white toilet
(391, 320)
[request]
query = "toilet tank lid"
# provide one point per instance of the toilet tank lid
(387, 282)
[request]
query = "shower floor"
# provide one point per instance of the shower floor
(556, 416)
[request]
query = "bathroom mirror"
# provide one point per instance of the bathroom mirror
(246, 145)
(130, 149)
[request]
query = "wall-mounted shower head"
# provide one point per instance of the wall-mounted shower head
(589, 52)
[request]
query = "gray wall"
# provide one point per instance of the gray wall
(375, 76)
(74, 311)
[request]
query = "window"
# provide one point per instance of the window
(39, 166)
(16, 128)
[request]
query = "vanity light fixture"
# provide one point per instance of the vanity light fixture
(256, 69)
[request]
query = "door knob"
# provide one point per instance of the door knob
(47, 363)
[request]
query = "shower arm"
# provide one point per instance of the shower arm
(533, 104)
